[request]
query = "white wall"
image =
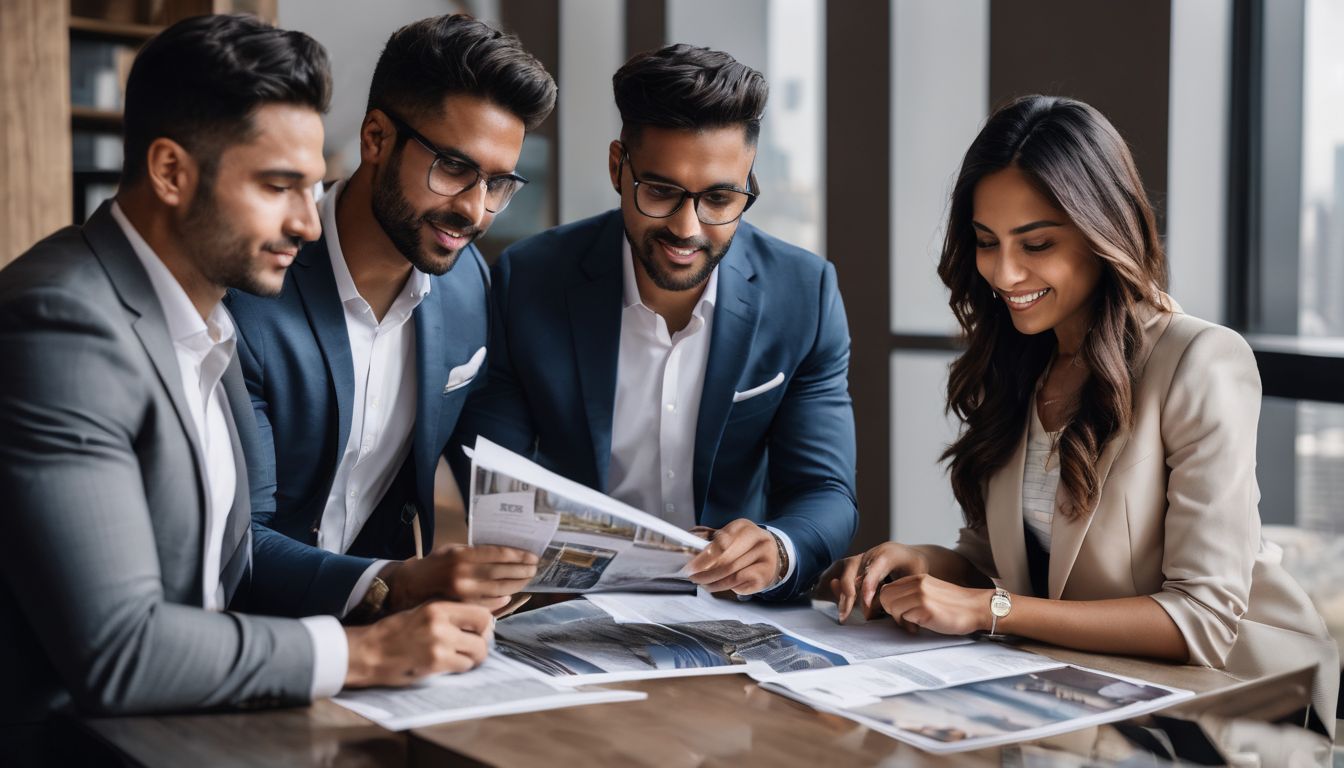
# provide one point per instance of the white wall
(1197, 150)
(940, 97)
(592, 48)
(354, 36)
(923, 510)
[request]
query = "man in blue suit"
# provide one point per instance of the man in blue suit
(675, 357)
(358, 371)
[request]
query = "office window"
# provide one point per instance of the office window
(1321, 255)
(1286, 238)
(951, 38)
(784, 40)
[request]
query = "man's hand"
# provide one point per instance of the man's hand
(485, 575)
(855, 580)
(427, 640)
(741, 556)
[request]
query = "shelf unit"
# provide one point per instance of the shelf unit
(92, 128)
(129, 24)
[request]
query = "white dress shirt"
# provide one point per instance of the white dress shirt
(204, 349)
(660, 377)
(383, 353)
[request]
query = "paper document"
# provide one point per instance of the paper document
(873, 640)
(497, 687)
(578, 642)
(972, 697)
(586, 541)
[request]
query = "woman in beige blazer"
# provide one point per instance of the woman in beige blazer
(1106, 465)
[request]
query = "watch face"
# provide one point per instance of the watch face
(1000, 605)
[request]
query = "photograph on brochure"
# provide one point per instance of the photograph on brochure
(586, 541)
(582, 643)
(957, 699)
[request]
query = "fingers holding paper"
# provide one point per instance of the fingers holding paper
(485, 575)
(742, 557)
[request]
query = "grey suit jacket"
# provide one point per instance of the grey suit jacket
(102, 528)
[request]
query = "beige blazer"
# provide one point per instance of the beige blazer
(1178, 516)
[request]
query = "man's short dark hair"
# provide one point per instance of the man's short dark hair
(684, 87)
(429, 60)
(200, 81)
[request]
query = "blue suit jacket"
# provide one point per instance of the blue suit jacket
(295, 353)
(785, 457)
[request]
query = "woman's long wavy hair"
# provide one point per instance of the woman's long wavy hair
(1077, 160)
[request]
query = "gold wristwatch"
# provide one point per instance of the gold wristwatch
(1000, 603)
(371, 607)
(783, 559)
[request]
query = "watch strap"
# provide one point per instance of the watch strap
(371, 607)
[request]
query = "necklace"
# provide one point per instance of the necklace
(1075, 358)
(1075, 361)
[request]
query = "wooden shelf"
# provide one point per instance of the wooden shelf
(120, 31)
(90, 118)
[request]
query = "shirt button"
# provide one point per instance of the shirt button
(671, 407)
(670, 507)
(354, 494)
(671, 474)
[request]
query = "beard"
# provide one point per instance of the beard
(401, 224)
(224, 256)
(665, 278)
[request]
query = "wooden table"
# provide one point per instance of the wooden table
(323, 734)
(729, 720)
(692, 721)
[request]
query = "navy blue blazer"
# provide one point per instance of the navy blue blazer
(295, 354)
(784, 457)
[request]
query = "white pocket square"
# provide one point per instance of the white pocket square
(462, 375)
(760, 390)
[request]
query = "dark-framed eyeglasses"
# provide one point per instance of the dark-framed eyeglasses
(451, 174)
(714, 206)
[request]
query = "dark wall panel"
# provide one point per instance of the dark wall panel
(537, 25)
(645, 25)
(1113, 55)
(858, 210)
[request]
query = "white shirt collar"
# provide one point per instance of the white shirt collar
(630, 293)
(418, 286)
(185, 326)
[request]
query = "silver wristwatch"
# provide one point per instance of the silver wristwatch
(1000, 603)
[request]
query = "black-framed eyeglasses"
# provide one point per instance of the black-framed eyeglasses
(714, 206)
(451, 174)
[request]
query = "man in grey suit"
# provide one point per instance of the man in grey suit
(123, 414)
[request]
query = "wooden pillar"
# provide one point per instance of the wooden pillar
(1114, 56)
(645, 26)
(35, 154)
(858, 210)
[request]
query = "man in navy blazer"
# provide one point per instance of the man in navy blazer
(675, 357)
(359, 369)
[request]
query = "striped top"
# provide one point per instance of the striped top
(1040, 479)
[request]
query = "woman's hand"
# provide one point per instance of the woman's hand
(855, 580)
(924, 601)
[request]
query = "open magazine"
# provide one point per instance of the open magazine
(973, 696)
(587, 541)
(619, 636)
